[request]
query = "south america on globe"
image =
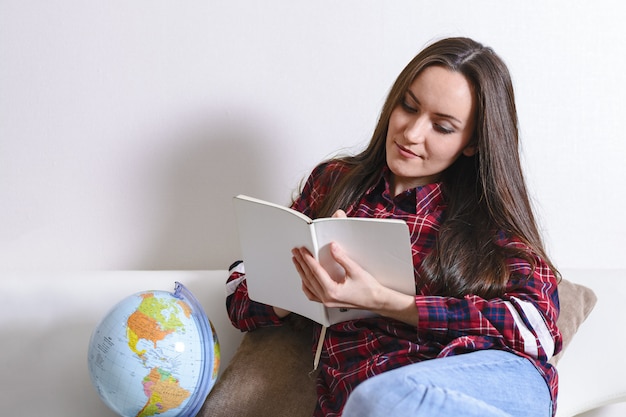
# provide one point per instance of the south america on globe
(154, 353)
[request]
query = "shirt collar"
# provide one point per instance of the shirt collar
(419, 200)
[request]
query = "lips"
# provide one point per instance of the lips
(406, 152)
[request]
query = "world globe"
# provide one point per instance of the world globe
(154, 353)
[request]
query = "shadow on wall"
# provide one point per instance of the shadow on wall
(210, 163)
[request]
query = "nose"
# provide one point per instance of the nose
(416, 128)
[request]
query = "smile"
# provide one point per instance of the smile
(406, 152)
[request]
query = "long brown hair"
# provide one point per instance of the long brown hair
(486, 193)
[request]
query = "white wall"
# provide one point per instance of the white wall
(127, 126)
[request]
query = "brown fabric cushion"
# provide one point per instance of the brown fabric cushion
(576, 301)
(268, 376)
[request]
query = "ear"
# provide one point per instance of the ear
(470, 150)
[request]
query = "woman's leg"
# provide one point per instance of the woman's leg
(482, 384)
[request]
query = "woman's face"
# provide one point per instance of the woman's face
(430, 128)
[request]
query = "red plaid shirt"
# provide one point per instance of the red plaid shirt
(523, 321)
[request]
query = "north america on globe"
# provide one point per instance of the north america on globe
(154, 319)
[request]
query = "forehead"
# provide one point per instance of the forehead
(444, 91)
(443, 80)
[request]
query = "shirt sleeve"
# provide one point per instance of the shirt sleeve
(244, 313)
(522, 320)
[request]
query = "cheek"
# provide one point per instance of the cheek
(442, 153)
(391, 134)
(395, 123)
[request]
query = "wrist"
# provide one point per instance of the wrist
(397, 305)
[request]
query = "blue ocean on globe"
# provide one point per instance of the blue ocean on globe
(154, 353)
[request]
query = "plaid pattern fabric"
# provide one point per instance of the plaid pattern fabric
(523, 321)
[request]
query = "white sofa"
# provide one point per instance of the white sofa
(46, 320)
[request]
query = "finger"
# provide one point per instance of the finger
(310, 265)
(342, 258)
(310, 285)
(309, 293)
(304, 276)
(340, 214)
(299, 262)
(318, 281)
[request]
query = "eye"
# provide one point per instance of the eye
(443, 129)
(407, 107)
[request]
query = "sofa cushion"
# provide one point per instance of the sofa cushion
(269, 376)
(576, 301)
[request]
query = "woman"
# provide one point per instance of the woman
(477, 337)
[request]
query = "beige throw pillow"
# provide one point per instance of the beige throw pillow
(268, 376)
(576, 301)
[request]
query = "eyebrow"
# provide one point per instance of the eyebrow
(447, 116)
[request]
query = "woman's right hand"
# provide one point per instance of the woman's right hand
(281, 312)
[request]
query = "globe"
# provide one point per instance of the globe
(154, 353)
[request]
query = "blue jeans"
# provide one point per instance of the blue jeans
(478, 384)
